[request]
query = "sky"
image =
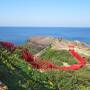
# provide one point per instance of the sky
(45, 13)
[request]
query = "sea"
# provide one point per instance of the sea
(19, 35)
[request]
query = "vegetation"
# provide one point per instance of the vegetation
(58, 57)
(32, 48)
(19, 75)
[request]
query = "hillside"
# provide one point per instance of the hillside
(41, 42)
(17, 74)
(44, 45)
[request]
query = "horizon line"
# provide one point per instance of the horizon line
(48, 26)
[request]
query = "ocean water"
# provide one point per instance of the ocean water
(19, 35)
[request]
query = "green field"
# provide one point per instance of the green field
(58, 57)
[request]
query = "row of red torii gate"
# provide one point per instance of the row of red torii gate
(44, 64)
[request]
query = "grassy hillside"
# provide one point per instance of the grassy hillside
(58, 56)
(19, 75)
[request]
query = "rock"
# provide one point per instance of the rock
(3, 86)
(41, 42)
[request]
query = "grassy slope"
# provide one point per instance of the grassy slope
(63, 56)
(19, 75)
(58, 56)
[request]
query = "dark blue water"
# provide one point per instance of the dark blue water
(19, 35)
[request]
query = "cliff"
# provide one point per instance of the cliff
(41, 42)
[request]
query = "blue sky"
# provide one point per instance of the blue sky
(49, 13)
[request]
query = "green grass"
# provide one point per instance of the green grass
(58, 56)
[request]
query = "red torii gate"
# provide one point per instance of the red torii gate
(71, 47)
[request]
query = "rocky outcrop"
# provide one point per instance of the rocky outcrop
(41, 42)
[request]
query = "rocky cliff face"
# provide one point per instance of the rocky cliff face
(41, 42)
